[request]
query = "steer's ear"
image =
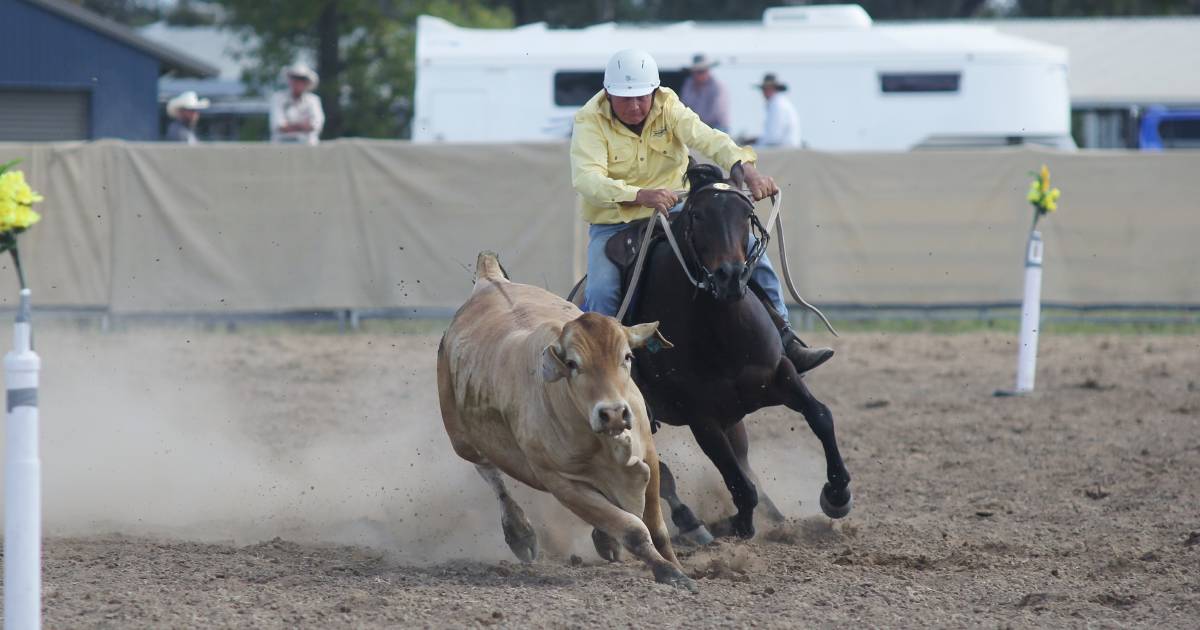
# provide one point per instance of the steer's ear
(647, 336)
(553, 367)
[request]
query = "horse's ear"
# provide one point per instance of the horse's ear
(701, 175)
(737, 174)
(688, 171)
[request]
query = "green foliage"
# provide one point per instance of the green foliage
(129, 12)
(367, 74)
(1093, 8)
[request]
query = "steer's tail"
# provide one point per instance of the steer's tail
(488, 267)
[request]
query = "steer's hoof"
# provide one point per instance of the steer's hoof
(521, 539)
(829, 504)
(606, 546)
(697, 537)
(668, 574)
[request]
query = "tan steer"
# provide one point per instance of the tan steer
(532, 387)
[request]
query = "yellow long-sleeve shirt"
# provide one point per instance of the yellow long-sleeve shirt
(610, 163)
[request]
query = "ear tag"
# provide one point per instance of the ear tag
(653, 345)
(722, 186)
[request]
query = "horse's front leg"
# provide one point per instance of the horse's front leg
(691, 530)
(715, 444)
(836, 498)
(739, 439)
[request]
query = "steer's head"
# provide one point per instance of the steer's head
(595, 354)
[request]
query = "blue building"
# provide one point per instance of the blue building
(67, 73)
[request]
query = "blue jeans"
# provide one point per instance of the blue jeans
(603, 293)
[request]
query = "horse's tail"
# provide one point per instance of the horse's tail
(488, 267)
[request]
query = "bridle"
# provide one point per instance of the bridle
(708, 281)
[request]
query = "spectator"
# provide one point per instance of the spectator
(782, 126)
(705, 95)
(297, 115)
(184, 111)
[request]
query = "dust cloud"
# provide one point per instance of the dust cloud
(241, 437)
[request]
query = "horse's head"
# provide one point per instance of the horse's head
(717, 221)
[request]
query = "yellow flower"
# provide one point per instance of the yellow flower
(16, 197)
(1051, 201)
(1045, 178)
(1035, 192)
(13, 186)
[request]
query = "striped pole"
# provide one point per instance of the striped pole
(1031, 315)
(22, 481)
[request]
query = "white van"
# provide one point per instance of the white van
(857, 86)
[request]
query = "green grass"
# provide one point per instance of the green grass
(1052, 324)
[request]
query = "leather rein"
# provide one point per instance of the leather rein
(707, 282)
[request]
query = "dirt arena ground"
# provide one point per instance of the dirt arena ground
(275, 478)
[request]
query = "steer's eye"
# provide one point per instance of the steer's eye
(629, 357)
(572, 365)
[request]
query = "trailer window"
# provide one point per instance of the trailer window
(908, 82)
(572, 89)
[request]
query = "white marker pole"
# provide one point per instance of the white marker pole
(22, 481)
(1031, 315)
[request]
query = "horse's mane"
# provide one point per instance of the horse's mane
(701, 175)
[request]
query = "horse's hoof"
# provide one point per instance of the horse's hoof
(830, 508)
(669, 574)
(606, 546)
(730, 527)
(521, 539)
(697, 537)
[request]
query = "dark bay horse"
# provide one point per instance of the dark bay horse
(728, 360)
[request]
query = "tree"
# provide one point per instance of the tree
(1081, 8)
(129, 12)
(364, 52)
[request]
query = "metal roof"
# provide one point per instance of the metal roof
(1122, 61)
(182, 63)
(439, 41)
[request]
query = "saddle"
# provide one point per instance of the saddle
(623, 248)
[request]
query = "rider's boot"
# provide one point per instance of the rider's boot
(798, 352)
(802, 357)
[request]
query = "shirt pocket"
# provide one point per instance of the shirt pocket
(664, 145)
(621, 158)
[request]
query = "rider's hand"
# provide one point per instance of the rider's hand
(760, 185)
(660, 199)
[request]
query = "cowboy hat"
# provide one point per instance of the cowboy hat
(701, 62)
(302, 71)
(769, 79)
(187, 100)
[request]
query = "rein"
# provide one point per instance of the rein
(752, 258)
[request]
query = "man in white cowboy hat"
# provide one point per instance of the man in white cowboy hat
(184, 111)
(782, 125)
(705, 95)
(629, 151)
(296, 114)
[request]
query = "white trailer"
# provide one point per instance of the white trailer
(858, 86)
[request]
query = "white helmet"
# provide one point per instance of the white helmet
(631, 73)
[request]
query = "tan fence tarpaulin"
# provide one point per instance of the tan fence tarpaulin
(144, 228)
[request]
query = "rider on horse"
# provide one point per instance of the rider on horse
(629, 150)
